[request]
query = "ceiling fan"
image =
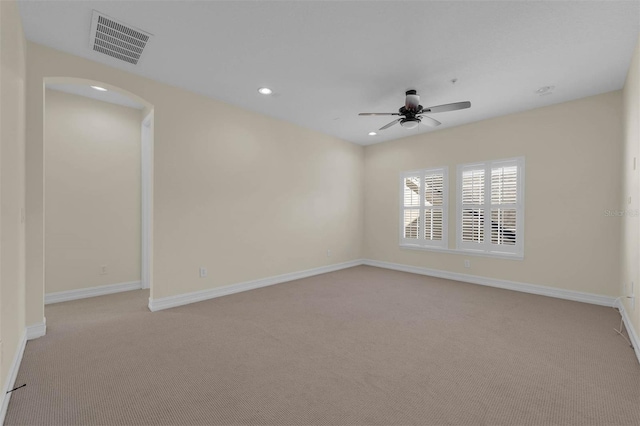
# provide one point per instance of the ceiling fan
(411, 114)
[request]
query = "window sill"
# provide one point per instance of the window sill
(463, 252)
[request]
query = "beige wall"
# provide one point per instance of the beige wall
(242, 194)
(92, 192)
(572, 153)
(630, 241)
(12, 139)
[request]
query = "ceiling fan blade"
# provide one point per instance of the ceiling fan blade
(378, 113)
(448, 107)
(390, 124)
(429, 121)
(412, 101)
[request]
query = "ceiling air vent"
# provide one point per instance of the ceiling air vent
(117, 39)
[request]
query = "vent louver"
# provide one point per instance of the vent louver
(117, 39)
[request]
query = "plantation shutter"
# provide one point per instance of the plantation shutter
(412, 206)
(473, 205)
(504, 196)
(434, 204)
(491, 210)
(423, 208)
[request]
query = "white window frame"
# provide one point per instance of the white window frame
(486, 247)
(422, 242)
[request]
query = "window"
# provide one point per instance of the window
(490, 207)
(423, 208)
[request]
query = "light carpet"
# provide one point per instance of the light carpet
(358, 346)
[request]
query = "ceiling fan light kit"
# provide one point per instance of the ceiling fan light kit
(411, 114)
(410, 123)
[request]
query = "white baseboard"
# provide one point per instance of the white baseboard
(187, 298)
(83, 293)
(631, 331)
(31, 332)
(11, 378)
(577, 296)
(36, 330)
(198, 296)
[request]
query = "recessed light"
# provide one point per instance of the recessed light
(372, 133)
(265, 91)
(99, 89)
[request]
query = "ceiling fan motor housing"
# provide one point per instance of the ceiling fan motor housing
(412, 101)
(410, 112)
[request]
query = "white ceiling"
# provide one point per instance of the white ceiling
(329, 60)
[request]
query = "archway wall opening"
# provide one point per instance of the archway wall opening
(93, 184)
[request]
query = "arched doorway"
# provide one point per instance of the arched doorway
(115, 95)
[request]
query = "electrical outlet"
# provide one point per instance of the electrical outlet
(467, 263)
(328, 253)
(203, 272)
(103, 270)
